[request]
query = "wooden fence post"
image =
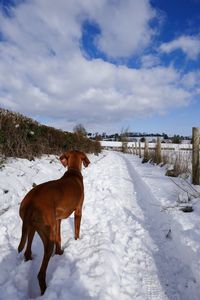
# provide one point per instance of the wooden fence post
(133, 150)
(158, 151)
(140, 151)
(136, 148)
(146, 151)
(195, 155)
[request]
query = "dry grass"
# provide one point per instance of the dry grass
(179, 161)
(182, 165)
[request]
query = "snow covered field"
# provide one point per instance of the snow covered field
(132, 245)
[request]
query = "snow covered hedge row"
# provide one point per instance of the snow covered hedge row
(23, 137)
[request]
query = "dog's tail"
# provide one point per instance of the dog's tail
(23, 237)
(25, 229)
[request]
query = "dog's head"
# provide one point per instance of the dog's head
(74, 159)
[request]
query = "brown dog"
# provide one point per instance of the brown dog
(43, 208)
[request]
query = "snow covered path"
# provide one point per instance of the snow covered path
(123, 252)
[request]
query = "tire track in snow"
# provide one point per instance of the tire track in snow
(174, 275)
(119, 234)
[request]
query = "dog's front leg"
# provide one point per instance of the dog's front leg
(77, 222)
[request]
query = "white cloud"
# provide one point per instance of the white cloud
(124, 26)
(190, 45)
(45, 75)
(191, 81)
(149, 61)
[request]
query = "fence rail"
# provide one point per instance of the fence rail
(109, 145)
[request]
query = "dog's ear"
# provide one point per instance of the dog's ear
(64, 159)
(86, 161)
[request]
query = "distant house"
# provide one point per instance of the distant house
(166, 141)
(186, 141)
(132, 139)
(111, 145)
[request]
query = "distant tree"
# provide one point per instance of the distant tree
(97, 147)
(124, 139)
(80, 130)
(165, 136)
(104, 135)
(176, 139)
(116, 135)
(98, 137)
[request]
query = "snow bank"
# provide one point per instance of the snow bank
(130, 247)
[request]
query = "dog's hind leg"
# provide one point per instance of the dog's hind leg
(48, 250)
(58, 239)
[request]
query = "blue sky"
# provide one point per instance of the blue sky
(109, 64)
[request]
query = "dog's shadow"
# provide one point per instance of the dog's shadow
(13, 281)
(37, 255)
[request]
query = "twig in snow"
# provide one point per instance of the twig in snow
(192, 188)
(168, 235)
(173, 206)
(4, 210)
(168, 207)
(186, 191)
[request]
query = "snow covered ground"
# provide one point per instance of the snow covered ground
(133, 244)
